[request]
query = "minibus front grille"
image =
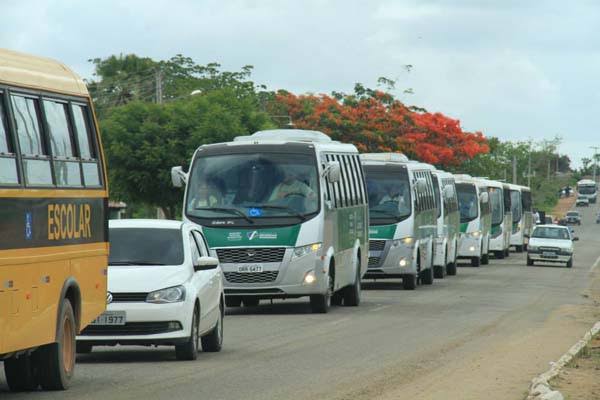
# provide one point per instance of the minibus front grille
(251, 277)
(376, 245)
(251, 255)
(374, 262)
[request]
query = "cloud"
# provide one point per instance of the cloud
(512, 69)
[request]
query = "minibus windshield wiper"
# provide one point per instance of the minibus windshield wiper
(285, 208)
(230, 210)
(395, 216)
(133, 262)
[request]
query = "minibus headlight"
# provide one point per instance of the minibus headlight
(169, 295)
(407, 241)
(475, 234)
(304, 250)
(310, 277)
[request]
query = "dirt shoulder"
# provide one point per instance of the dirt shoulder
(579, 380)
(564, 204)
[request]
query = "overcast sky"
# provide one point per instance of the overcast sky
(506, 68)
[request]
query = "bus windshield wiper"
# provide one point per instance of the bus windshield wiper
(285, 208)
(230, 210)
(133, 262)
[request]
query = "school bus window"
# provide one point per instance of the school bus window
(91, 174)
(28, 126)
(8, 162)
(60, 138)
(4, 143)
(83, 135)
(36, 165)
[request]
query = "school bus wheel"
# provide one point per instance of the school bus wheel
(58, 359)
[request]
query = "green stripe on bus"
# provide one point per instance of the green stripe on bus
(382, 231)
(218, 237)
(463, 227)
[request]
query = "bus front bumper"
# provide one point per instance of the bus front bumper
(293, 277)
(392, 262)
(469, 247)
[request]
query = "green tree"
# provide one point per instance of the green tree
(144, 140)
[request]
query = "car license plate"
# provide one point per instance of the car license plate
(111, 318)
(549, 254)
(250, 268)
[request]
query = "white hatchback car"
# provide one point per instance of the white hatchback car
(163, 289)
(551, 243)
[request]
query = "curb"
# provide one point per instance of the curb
(540, 388)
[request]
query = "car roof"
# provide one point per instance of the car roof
(572, 212)
(551, 226)
(145, 223)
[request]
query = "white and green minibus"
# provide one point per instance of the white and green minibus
(402, 223)
(475, 220)
(508, 222)
(527, 206)
(285, 212)
(448, 224)
(501, 223)
(517, 238)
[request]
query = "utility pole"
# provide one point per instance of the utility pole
(159, 88)
(529, 165)
(595, 159)
(514, 165)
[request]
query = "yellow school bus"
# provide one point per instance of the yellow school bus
(53, 220)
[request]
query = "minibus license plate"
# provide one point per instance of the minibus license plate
(250, 268)
(111, 318)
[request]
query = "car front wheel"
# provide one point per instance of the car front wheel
(189, 350)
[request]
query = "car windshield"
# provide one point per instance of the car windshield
(587, 189)
(572, 214)
(546, 232)
(145, 246)
(467, 201)
(255, 185)
(497, 204)
(515, 200)
(389, 193)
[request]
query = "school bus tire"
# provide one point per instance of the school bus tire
(21, 374)
(57, 360)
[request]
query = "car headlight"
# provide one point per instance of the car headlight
(304, 250)
(532, 248)
(169, 295)
(474, 235)
(407, 241)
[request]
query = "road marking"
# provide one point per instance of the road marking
(381, 308)
(593, 267)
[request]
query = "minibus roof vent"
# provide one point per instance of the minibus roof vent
(384, 157)
(287, 135)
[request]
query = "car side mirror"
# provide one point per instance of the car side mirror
(333, 171)
(178, 177)
(205, 263)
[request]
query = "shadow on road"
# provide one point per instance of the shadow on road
(278, 307)
(120, 354)
(383, 285)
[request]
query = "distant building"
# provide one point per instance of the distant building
(117, 209)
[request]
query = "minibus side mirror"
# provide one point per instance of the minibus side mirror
(484, 197)
(178, 177)
(206, 263)
(333, 171)
(448, 192)
(421, 184)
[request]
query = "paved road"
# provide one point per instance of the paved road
(488, 328)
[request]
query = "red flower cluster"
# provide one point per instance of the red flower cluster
(378, 123)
